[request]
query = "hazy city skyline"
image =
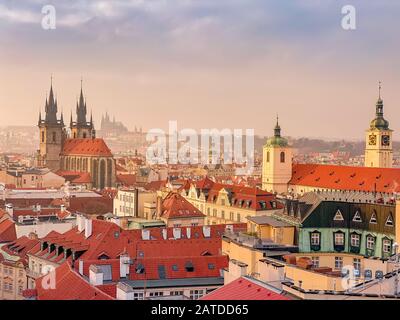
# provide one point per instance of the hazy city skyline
(206, 64)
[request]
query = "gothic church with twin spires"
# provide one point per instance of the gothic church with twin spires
(76, 153)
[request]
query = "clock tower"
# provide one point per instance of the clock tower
(378, 149)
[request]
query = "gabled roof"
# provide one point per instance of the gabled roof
(69, 285)
(346, 177)
(245, 289)
(86, 147)
(175, 206)
(7, 231)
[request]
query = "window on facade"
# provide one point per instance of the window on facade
(196, 294)
(54, 137)
(222, 202)
(339, 239)
(231, 216)
(315, 262)
(208, 211)
(177, 293)
(355, 240)
(138, 296)
(238, 217)
(214, 212)
(373, 218)
(357, 217)
(223, 214)
(357, 264)
(315, 239)
(389, 221)
(387, 246)
(156, 294)
(338, 263)
(282, 156)
(338, 216)
(370, 242)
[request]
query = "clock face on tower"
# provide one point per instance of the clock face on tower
(386, 140)
(372, 140)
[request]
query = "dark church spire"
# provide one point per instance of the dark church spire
(81, 108)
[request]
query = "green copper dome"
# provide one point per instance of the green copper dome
(379, 122)
(277, 140)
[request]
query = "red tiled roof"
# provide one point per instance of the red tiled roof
(126, 179)
(69, 285)
(244, 289)
(346, 177)
(176, 206)
(7, 231)
(20, 247)
(75, 176)
(86, 147)
(155, 185)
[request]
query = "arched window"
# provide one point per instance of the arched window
(54, 136)
(282, 157)
(42, 136)
(267, 156)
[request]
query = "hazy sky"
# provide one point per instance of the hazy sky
(205, 63)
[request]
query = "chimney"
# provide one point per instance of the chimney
(80, 221)
(177, 232)
(164, 234)
(124, 263)
(188, 232)
(88, 227)
(10, 209)
(96, 276)
(116, 220)
(81, 267)
(62, 208)
(124, 292)
(206, 231)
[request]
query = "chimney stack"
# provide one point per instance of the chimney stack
(88, 227)
(96, 276)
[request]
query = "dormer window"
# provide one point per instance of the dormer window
(389, 221)
(189, 267)
(140, 269)
(338, 216)
(357, 217)
(373, 219)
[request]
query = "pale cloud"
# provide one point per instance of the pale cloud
(18, 15)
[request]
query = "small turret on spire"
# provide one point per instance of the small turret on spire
(277, 129)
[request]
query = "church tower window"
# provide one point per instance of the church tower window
(282, 157)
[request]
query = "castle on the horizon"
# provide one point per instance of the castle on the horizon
(76, 153)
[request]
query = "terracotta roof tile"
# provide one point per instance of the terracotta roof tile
(346, 177)
(244, 289)
(86, 147)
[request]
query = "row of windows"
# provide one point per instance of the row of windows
(338, 263)
(193, 294)
(282, 157)
(222, 215)
(355, 241)
(125, 198)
